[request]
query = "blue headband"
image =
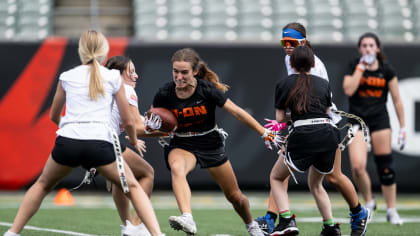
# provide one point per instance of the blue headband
(292, 34)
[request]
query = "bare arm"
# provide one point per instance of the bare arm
(125, 114)
(243, 116)
(58, 104)
(396, 99)
(351, 82)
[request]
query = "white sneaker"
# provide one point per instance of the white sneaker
(183, 223)
(8, 233)
(393, 217)
(253, 229)
(132, 230)
(371, 205)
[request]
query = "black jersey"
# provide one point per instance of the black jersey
(196, 113)
(371, 95)
(320, 94)
(312, 138)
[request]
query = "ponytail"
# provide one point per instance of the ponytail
(93, 49)
(95, 84)
(299, 96)
(204, 72)
(302, 60)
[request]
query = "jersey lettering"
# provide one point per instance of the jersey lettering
(373, 81)
(370, 93)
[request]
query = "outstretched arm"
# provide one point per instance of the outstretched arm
(243, 116)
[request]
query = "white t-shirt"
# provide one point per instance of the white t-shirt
(320, 71)
(132, 99)
(80, 109)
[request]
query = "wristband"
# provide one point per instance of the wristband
(134, 144)
(361, 67)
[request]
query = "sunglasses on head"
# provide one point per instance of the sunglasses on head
(291, 42)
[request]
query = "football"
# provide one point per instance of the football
(169, 121)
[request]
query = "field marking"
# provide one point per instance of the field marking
(28, 227)
(346, 220)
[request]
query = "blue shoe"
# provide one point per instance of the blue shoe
(266, 224)
(359, 222)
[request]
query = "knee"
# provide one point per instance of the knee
(235, 197)
(177, 169)
(358, 170)
(384, 167)
(150, 173)
(45, 184)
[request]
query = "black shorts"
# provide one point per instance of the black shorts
(323, 162)
(205, 158)
(126, 144)
(376, 122)
(85, 153)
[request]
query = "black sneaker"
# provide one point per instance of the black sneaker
(359, 222)
(331, 230)
(286, 226)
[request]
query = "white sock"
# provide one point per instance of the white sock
(188, 215)
(370, 203)
(392, 210)
(9, 233)
(251, 224)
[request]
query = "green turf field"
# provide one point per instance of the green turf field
(94, 214)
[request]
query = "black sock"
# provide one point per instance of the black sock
(272, 215)
(356, 209)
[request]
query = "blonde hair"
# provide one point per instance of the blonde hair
(93, 50)
(204, 72)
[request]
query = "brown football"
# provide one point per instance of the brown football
(169, 121)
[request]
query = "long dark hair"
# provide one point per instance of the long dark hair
(380, 55)
(301, 29)
(204, 72)
(302, 60)
(118, 62)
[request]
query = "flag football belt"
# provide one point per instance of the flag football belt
(118, 154)
(202, 133)
(316, 121)
(346, 140)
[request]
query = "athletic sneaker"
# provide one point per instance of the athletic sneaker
(266, 224)
(359, 222)
(8, 233)
(254, 229)
(132, 230)
(393, 217)
(333, 230)
(183, 223)
(286, 226)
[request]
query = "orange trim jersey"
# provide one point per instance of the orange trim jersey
(371, 95)
(194, 114)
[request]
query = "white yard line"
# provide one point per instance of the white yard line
(28, 227)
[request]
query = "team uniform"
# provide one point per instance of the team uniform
(84, 136)
(369, 100)
(132, 99)
(197, 131)
(313, 144)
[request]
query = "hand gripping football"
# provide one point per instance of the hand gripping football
(169, 121)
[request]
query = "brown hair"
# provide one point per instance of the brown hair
(118, 62)
(302, 60)
(204, 72)
(93, 50)
(380, 55)
(301, 29)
